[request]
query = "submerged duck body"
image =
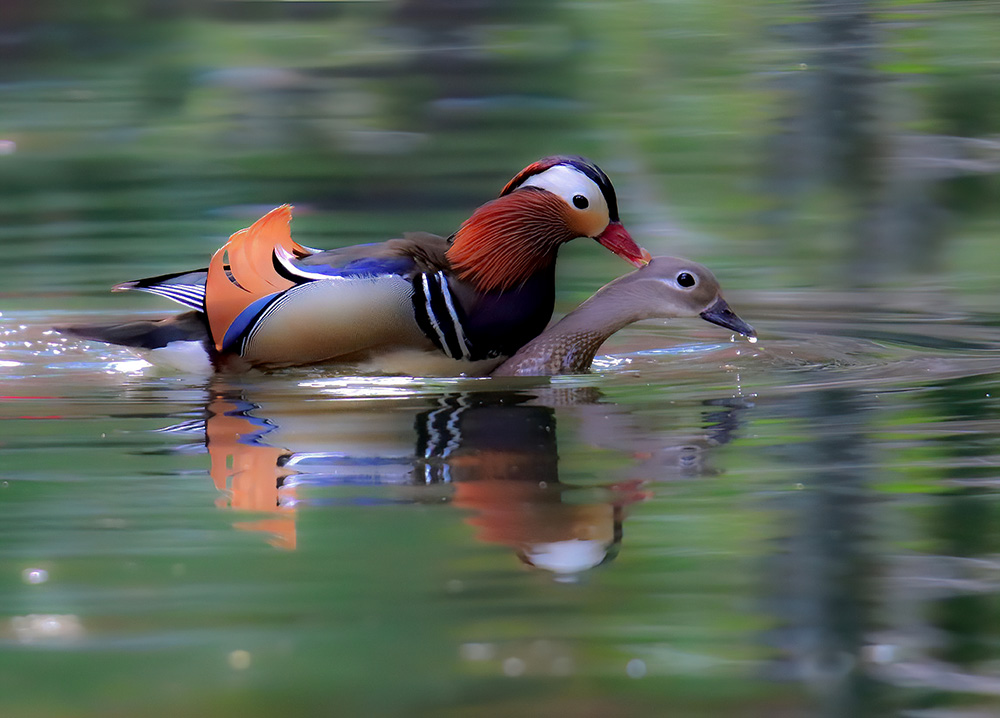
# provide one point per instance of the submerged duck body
(667, 287)
(462, 304)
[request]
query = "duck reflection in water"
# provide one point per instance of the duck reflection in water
(494, 454)
(499, 452)
(249, 473)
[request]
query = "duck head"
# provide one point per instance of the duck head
(547, 204)
(670, 287)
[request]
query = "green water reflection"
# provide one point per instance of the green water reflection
(393, 546)
(705, 528)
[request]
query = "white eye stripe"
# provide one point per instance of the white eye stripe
(567, 181)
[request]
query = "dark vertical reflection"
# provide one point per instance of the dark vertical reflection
(845, 141)
(826, 134)
(821, 578)
(965, 524)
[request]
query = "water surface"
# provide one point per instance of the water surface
(701, 523)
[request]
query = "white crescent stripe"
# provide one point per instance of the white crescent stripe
(446, 291)
(285, 258)
(431, 318)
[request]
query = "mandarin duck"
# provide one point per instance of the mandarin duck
(462, 304)
(666, 287)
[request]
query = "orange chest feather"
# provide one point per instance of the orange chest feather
(508, 240)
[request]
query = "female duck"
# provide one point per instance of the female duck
(666, 287)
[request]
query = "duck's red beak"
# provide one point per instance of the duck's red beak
(616, 238)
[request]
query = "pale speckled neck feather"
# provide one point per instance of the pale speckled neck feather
(555, 352)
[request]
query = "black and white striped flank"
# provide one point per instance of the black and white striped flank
(438, 315)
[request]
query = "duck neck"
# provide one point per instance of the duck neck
(569, 345)
(508, 240)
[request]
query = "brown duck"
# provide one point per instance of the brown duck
(666, 287)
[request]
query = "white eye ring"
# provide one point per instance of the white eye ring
(675, 285)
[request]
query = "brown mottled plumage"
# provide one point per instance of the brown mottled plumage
(666, 287)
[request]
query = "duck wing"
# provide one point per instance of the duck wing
(280, 302)
(262, 276)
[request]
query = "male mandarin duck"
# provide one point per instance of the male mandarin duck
(666, 287)
(466, 302)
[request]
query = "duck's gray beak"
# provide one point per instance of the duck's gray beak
(720, 313)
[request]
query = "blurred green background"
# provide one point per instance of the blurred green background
(806, 144)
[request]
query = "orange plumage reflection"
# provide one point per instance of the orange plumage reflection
(249, 474)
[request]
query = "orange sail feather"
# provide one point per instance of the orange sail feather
(242, 271)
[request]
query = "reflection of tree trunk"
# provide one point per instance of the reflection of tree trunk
(827, 135)
(965, 527)
(966, 522)
(840, 137)
(841, 93)
(821, 579)
(493, 80)
(828, 139)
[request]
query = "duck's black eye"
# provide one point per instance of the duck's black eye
(580, 202)
(685, 280)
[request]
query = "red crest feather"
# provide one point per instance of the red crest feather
(532, 169)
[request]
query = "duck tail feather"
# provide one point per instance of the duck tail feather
(143, 334)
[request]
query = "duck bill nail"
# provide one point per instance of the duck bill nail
(616, 238)
(720, 313)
